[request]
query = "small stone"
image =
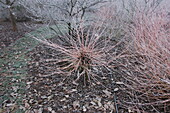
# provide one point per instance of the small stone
(66, 96)
(84, 109)
(129, 110)
(119, 83)
(9, 105)
(64, 99)
(116, 89)
(53, 111)
(93, 103)
(64, 107)
(50, 109)
(28, 83)
(43, 97)
(104, 78)
(73, 90)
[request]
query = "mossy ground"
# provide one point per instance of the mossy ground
(13, 70)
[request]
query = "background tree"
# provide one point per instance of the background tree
(62, 11)
(9, 5)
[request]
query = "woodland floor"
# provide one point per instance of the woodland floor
(29, 92)
(61, 94)
(24, 90)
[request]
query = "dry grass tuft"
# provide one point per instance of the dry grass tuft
(85, 53)
(148, 79)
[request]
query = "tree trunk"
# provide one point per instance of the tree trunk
(69, 28)
(13, 21)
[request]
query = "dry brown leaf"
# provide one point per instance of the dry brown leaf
(107, 93)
